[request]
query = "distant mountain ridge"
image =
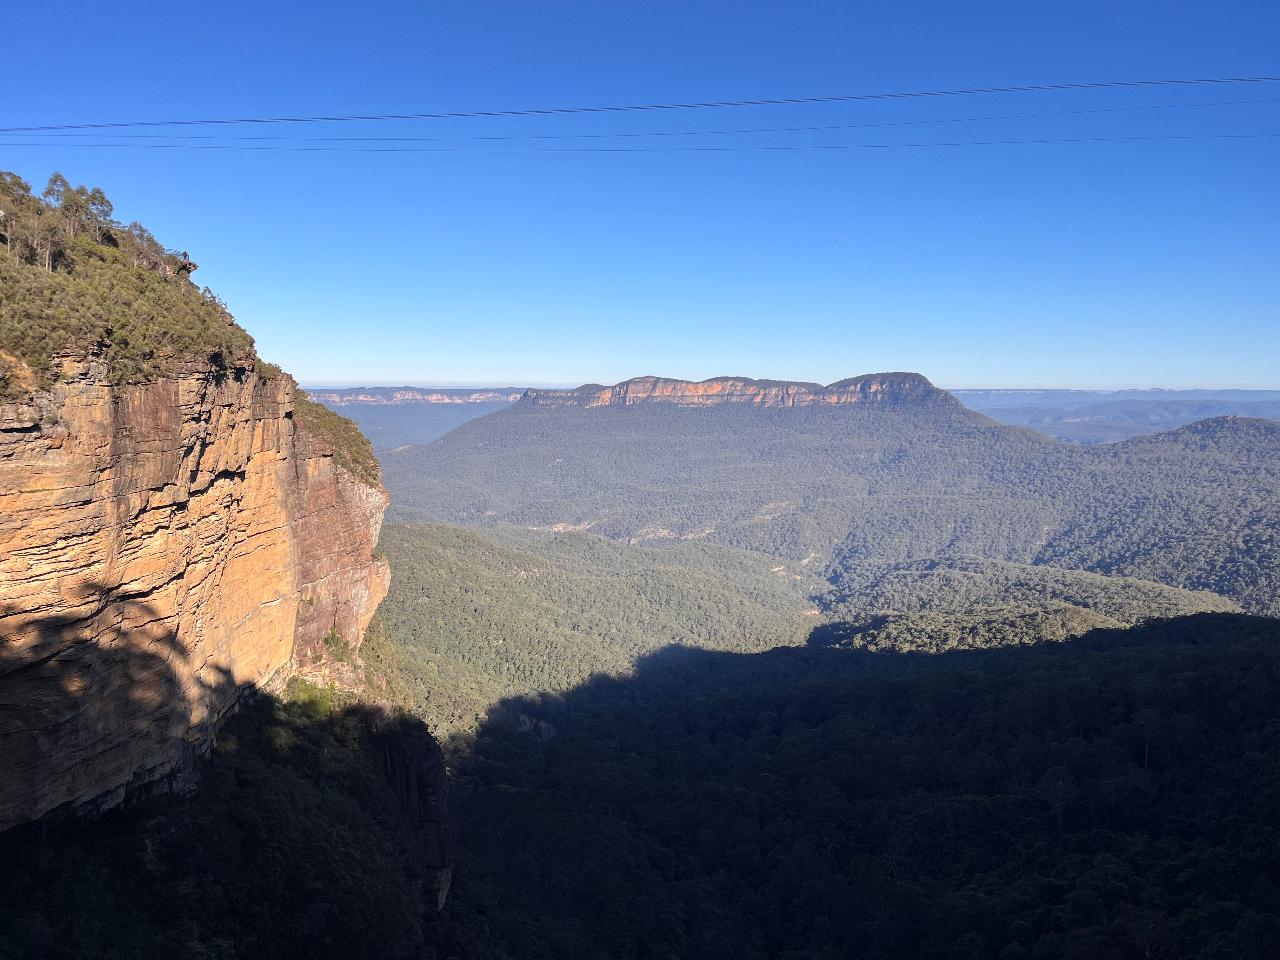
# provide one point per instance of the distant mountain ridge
(882, 388)
(1095, 416)
(392, 417)
(390, 396)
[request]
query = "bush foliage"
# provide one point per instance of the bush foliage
(74, 281)
(350, 447)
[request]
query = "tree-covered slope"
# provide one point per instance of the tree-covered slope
(969, 603)
(74, 280)
(1195, 508)
(1113, 797)
(783, 481)
(473, 615)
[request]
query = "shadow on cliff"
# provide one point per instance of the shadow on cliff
(311, 829)
(1115, 796)
(98, 709)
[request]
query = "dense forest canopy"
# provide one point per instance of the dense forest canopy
(954, 586)
(969, 603)
(1112, 797)
(1108, 797)
(476, 615)
(73, 280)
(1197, 508)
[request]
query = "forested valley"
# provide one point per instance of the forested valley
(1109, 797)
(890, 682)
(749, 683)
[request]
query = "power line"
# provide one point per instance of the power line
(667, 133)
(633, 108)
(695, 149)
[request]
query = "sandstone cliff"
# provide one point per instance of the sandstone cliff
(163, 546)
(878, 388)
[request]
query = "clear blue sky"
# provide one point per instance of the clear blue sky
(1080, 264)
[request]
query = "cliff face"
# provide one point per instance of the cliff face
(162, 547)
(879, 388)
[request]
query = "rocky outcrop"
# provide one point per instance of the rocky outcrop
(878, 388)
(163, 547)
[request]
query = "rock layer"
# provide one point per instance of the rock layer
(163, 547)
(877, 388)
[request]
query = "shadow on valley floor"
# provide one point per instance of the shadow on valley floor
(1115, 796)
(316, 830)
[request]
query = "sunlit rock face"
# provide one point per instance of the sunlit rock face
(876, 388)
(163, 547)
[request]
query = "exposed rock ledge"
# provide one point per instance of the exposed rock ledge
(876, 388)
(162, 547)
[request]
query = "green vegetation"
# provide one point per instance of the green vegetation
(982, 628)
(477, 615)
(350, 447)
(335, 647)
(295, 845)
(1103, 797)
(74, 280)
(1111, 797)
(1197, 508)
(961, 585)
(971, 604)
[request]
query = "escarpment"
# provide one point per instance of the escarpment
(171, 533)
(881, 388)
(163, 546)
